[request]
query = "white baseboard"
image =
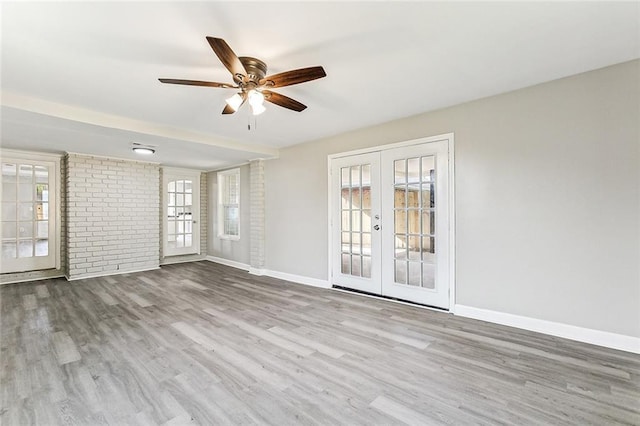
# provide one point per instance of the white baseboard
(169, 260)
(228, 262)
(572, 332)
(31, 279)
(298, 279)
(109, 273)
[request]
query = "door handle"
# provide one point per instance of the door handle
(376, 227)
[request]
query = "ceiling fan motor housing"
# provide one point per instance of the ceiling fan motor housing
(256, 70)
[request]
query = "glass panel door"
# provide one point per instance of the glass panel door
(27, 215)
(356, 219)
(416, 241)
(181, 213)
(390, 222)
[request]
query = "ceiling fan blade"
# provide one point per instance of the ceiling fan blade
(198, 83)
(283, 101)
(288, 78)
(227, 57)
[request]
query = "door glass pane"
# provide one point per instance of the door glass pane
(414, 273)
(413, 196)
(25, 248)
(355, 193)
(8, 211)
(355, 198)
(25, 192)
(428, 168)
(42, 174)
(356, 265)
(25, 211)
(25, 230)
(355, 176)
(401, 247)
(413, 170)
(400, 272)
(344, 176)
(366, 243)
(401, 221)
(355, 220)
(9, 230)
(346, 215)
(400, 198)
(346, 198)
(414, 221)
(9, 250)
(42, 229)
(366, 220)
(180, 186)
(366, 266)
(25, 174)
(355, 243)
(9, 190)
(42, 247)
(400, 174)
(346, 264)
(428, 275)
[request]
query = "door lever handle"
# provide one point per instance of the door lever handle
(376, 227)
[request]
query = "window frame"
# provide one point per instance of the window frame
(222, 178)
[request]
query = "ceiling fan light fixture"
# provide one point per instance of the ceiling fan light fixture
(235, 101)
(258, 109)
(255, 98)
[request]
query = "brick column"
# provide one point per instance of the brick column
(256, 216)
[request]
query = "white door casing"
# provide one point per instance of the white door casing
(30, 215)
(411, 202)
(356, 259)
(181, 211)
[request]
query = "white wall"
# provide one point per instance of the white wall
(236, 251)
(547, 198)
(113, 218)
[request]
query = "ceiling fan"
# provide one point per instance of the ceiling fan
(249, 75)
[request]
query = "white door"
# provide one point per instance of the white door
(415, 201)
(390, 223)
(181, 212)
(28, 215)
(356, 259)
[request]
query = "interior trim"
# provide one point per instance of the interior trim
(566, 331)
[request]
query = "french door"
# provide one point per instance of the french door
(29, 197)
(181, 212)
(390, 222)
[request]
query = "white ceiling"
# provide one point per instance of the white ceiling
(82, 76)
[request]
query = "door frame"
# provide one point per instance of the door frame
(54, 161)
(449, 137)
(167, 173)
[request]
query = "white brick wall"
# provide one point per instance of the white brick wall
(256, 221)
(112, 215)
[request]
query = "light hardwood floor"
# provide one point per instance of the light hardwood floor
(207, 344)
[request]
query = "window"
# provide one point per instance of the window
(29, 212)
(229, 204)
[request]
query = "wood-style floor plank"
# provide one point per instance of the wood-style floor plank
(202, 343)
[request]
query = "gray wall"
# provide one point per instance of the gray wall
(547, 199)
(237, 251)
